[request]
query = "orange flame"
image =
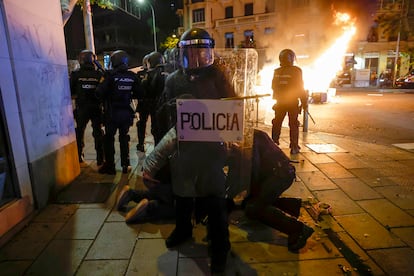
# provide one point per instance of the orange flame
(319, 75)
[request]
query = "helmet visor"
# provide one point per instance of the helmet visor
(193, 58)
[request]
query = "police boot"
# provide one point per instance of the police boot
(183, 225)
(107, 168)
(297, 232)
(294, 141)
(275, 133)
(99, 157)
(289, 205)
(218, 233)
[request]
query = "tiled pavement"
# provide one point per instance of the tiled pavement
(370, 189)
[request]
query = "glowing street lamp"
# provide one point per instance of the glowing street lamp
(153, 24)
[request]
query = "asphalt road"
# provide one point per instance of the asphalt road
(369, 115)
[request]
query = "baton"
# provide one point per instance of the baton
(310, 116)
(246, 97)
(100, 68)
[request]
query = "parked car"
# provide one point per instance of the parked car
(406, 81)
(342, 78)
(385, 80)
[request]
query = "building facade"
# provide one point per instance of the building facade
(38, 154)
(303, 25)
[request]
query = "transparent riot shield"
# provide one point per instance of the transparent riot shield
(240, 66)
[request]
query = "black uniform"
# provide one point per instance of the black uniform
(153, 85)
(197, 173)
(83, 83)
(118, 89)
(287, 85)
(272, 174)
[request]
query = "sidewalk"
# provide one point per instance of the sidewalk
(369, 187)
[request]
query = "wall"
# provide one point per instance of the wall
(36, 100)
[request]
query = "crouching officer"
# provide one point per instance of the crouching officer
(118, 88)
(83, 83)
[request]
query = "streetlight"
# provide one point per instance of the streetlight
(153, 24)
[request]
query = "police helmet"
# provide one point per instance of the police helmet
(196, 49)
(86, 57)
(154, 59)
(287, 57)
(119, 58)
(145, 62)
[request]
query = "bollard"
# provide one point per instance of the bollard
(305, 121)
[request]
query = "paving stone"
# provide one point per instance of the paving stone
(360, 253)
(390, 168)
(356, 189)
(334, 170)
(398, 195)
(116, 216)
(316, 180)
(297, 190)
(114, 241)
(84, 224)
(193, 266)
(13, 268)
(304, 165)
(348, 160)
(151, 257)
(387, 213)
(404, 181)
(303, 268)
(103, 268)
(406, 234)
(155, 230)
(372, 177)
(56, 213)
(317, 158)
(367, 232)
(340, 203)
(28, 244)
(92, 206)
(61, 257)
(395, 261)
(266, 252)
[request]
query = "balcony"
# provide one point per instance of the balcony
(243, 20)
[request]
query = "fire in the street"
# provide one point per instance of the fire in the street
(319, 75)
(321, 72)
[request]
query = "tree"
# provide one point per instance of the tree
(169, 43)
(67, 6)
(393, 19)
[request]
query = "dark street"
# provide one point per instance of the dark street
(367, 115)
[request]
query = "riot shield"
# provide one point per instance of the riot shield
(240, 67)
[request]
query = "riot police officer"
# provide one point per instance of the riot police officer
(153, 85)
(83, 83)
(118, 89)
(197, 168)
(287, 85)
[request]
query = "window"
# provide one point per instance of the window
(198, 15)
(228, 12)
(269, 30)
(249, 39)
(248, 9)
(229, 40)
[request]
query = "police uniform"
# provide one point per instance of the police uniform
(153, 85)
(287, 85)
(118, 88)
(83, 83)
(197, 167)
